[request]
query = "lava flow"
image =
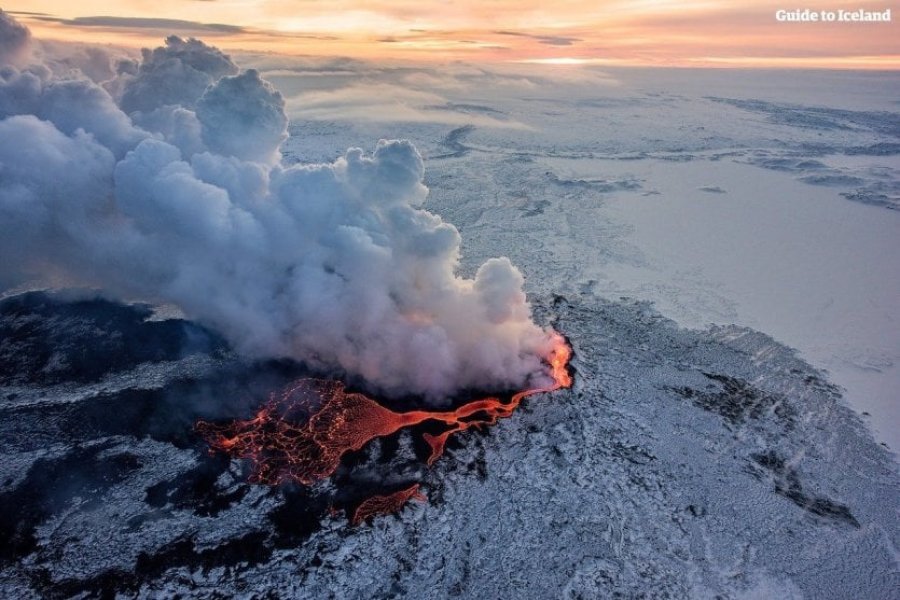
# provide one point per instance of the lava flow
(385, 505)
(284, 446)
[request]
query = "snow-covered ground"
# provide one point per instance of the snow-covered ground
(725, 242)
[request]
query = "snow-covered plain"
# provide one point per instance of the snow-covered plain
(709, 241)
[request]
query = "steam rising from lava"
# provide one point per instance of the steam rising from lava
(165, 183)
(284, 444)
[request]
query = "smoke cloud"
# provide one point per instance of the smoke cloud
(175, 193)
(175, 74)
(14, 40)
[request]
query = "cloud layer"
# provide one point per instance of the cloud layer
(174, 192)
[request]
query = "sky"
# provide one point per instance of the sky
(612, 32)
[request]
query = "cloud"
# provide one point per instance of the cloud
(80, 104)
(14, 39)
(145, 23)
(34, 207)
(175, 74)
(243, 116)
(333, 264)
(71, 105)
(301, 64)
(384, 102)
(96, 63)
(20, 91)
(550, 40)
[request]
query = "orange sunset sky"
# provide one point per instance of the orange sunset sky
(639, 32)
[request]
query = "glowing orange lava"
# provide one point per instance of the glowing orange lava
(385, 505)
(285, 445)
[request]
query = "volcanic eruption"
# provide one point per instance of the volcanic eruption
(283, 448)
(168, 187)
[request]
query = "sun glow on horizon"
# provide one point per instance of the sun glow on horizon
(570, 33)
(562, 61)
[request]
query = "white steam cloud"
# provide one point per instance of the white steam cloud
(174, 192)
(14, 40)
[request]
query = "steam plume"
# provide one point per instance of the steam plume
(175, 193)
(14, 40)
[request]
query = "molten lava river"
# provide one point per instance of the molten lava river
(285, 444)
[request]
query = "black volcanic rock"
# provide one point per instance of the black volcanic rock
(46, 339)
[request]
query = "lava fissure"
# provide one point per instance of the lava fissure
(283, 449)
